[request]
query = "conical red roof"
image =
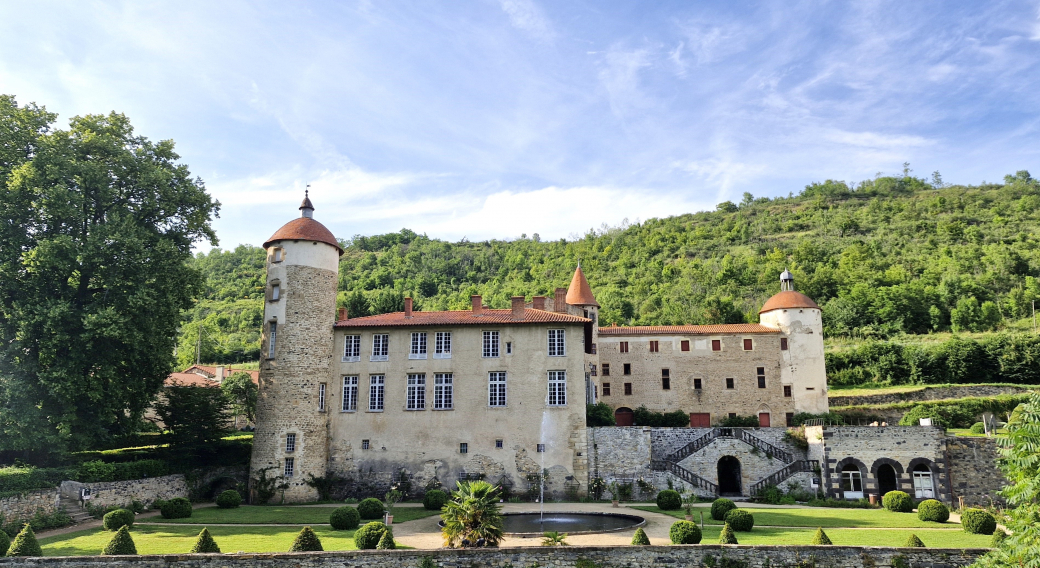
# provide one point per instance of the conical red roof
(580, 293)
(786, 300)
(304, 229)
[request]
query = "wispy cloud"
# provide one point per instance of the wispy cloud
(526, 15)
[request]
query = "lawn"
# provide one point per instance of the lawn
(932, 538)
(279, 514)
(154, 539)
(819, 517)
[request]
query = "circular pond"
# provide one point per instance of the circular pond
(534, 524)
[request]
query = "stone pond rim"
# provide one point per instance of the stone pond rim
(514, 524)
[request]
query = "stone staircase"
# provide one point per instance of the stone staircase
(72, 507)
(783, 473)
(741, 434)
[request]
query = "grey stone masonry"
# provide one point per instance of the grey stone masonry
(868, 448)
(121, 493)
(24, 506)
(973, 472)
(926, 393)
(619, 452)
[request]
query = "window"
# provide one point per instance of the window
(418, 350)
(557, 388)
(509, 348)
(924, 488)
(655, 346)
(729, 383)
(380, 347)
(290, 443)
(696, 384)
(732, 414)
(557, 347)
(606, 369)
(666, 380)
(442, 345)
(277, 254)
(790, 419)
(623, 347)
(627, 369)
(416, 399)
(321, 397)
(761, 377)
(276, 292)
(606, 389)
(490, 344)
(593, 348)
(364, 444)
(628, 388)
(443, 391)
(290, 465)
(748, 345)
(497, 388)
(852, 482)
(783, 344)
(716, 345)
(684, 345)
(787, 391)
(463, 448)
(352, 348)
(270, 344)
(375, 393)
(541, 448)
(350, 387)
(498, 444)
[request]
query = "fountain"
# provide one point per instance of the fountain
(534, 524)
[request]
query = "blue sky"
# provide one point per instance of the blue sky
(494, 118)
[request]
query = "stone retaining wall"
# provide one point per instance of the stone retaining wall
(21, 507)
(973, 474)
(121, 493)
(927, 393)
(735, 556)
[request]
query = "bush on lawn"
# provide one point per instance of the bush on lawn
(345, 519)
(720, 507)
(386, 542)
(669, 500)
(978, 428)
(998, 538)
(820, 537)
(5, 543)
(121, 544)
(176, 508)
(370, 508)
(685, 532)
(977, 521)
(914, 542)
(741, 520)
(727, 536)
(368, 536)
(434, 500)
(205, 544)
(640, 538)
(115, 520)
(932, 510)
(25, 543)
(306, 541)
(898, 501)
(229, 499)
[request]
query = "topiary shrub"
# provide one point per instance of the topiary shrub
(386, 542)
(669, 500)
(898, 501)
(741, 520)
(115, 520)
(998, 538)
(977, 521)
(820, 537)
(306, 541)
(25, 543)
(933, 511)
(367, 537)
(720, 507)
(121, 544)
(978, 428)
(345, 519)
(685, 532)
(914, 542)
(205, 544)
(434, 500)
(640, 538)
(370, 509)
(176, 508)
(5, 543)
(726, 536)
(229, 499)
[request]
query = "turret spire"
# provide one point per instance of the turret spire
(786, 281)
(307, 207)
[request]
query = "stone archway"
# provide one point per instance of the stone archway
(729, 476)
(886, 479)
(624, 417)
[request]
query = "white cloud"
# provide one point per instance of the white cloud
(527, 16)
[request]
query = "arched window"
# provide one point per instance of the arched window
(852, 481)
(924, 484)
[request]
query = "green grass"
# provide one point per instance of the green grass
(279, 514)
(935, 538)
(820, 517)
(838, 390)
(179, 540)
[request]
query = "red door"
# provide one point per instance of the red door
(700, 420)
(623, 416)
(763, 419)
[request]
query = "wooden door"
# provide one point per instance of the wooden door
(624, 417)
(700, 420)
(763, 419)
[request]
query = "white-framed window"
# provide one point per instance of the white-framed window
(375, 393)
(924, 487)
(491, 346)
(443, 391)
(321, 396)
(290, 466)
(274, 337)
(276, 292)
(852, 482)
(557, 388)
(352, 348)
(380, 347)
(416, 399)
(350, 388)
(442, 345)
(290, 443)
(497, 388)
(557, 346)
(418, 349)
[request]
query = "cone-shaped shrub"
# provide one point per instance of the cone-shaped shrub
(914, 542)
(205, 544)
(386, 542)
(727, 536)
(306, 541)
(998, 537)
(740, 519)
(345, 519)
(720, 507)
(368, 536)
(25, 544)
(115, 520)
(121, 544)
(898, 501)
(932, 510)
(5, 543)
(640, 538)
(685, 532)
(821, 537)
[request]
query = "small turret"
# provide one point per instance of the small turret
(307, 207)
(800, 322)
(786, 281)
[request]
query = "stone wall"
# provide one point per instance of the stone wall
(620, 452)
(736, 556)
(926, 393)
(120, 493)
(24, 506)
(973, 472)
(868, 448)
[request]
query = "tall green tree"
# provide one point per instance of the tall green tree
(193, 416)
(241, 393)
(98, 225)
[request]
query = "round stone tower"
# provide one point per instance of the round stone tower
(291, 438)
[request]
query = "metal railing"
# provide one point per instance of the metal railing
(694, 446)
(783, 473)
(756, 442)
(691, 478)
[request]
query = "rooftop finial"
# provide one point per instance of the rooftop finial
(786, 281)
(307, 207)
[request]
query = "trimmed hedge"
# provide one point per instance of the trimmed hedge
(914, 542)
(434, 500)
(5, 543)
(306, 541)
(229, 499)
(386, 542)
(176, 508)
(370, 508)
(368, 536)
(898, 501)
(820, 538)
(685, 532)
(978, 428)
(25, 544)
(122, 544)
(115, 520)
(933, 511)
(345, 519)
(720, 507)
(998, 538)
(669, 500)
(640, 538)
(977, 521)
(741, 520)
(726, 535)
(205, 544)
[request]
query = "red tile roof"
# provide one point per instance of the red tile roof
(580, 293)
(188, 380)
(211, 371)
(724, 328)
(487, 317)
(304, 229)
(788, 299)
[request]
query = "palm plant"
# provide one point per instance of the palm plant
(472, 515)
(553, 538)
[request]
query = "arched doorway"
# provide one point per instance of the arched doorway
(729, 476)
(886, 479)
(623, 416)
(924, 485)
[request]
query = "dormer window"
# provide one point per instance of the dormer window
(277, 254)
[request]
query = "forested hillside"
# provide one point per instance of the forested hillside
(884, 257)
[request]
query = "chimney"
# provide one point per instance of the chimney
(342, 314)
(538, 302)
(407, 307)
(518, 307)
(560, 301)
(478, 308)
(220, 374)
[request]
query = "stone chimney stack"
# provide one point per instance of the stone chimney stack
(408, 307)
(560, 301)
(518, 307)
(342, 314)
(478, 307)
(538, 302)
